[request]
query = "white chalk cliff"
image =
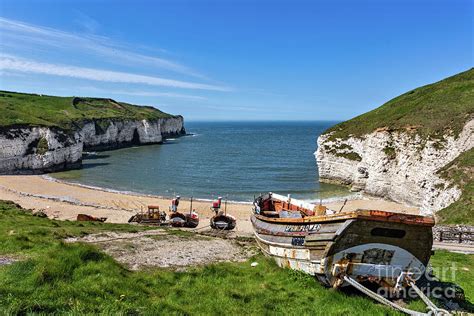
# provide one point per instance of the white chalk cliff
(44, 149)
(396, 165)
(119, 133)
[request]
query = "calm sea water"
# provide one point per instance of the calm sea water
(236, 160)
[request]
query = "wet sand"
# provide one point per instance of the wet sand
(64, 201)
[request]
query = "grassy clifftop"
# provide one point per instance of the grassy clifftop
(65, 112)
(430, 111)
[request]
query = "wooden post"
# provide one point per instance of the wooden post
(345, 201)
(191, 206)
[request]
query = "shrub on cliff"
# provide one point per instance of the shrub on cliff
(42, 147)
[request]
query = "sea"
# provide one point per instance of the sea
(235, 160)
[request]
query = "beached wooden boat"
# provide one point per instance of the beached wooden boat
(180, 219)
(387, 248)
(190, 220)
(221, 220)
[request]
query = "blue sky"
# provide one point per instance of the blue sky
(235, 60)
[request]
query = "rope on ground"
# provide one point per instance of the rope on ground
(196, 229)
(430, 304)
(380, 298)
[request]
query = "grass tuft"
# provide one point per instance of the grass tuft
(390, 152)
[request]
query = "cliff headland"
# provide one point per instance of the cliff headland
(417, 149)
(40, 133)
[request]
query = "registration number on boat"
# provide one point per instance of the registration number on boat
(297, 241)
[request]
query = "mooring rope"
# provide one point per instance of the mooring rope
(436, 310)
(433, 309)
(199, 228)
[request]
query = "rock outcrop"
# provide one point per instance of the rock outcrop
(111, 134)
(39, 149)
(25, 149)
(398, 165)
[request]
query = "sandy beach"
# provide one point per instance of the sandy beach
(63, 201)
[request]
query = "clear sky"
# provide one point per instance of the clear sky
(235, 60)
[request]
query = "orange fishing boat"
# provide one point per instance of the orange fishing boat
(386, 248)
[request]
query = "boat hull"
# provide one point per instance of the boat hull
(223, 222)
(178, 219)
(364, 248)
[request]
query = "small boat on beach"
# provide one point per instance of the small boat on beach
(189, 220)
(386, 248)
(180, 219)
(221, 220)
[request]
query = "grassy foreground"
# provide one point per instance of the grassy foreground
(67, 112)
(53, 277)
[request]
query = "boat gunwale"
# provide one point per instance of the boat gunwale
(372, 215)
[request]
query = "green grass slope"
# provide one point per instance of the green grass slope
(430, 111)
(67, 112)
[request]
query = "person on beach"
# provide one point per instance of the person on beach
(174, 204)
(216, 205)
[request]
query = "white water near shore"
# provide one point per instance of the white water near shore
(65, 201)
(354, 196)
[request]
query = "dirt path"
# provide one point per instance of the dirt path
(461, 248)
(168, 248)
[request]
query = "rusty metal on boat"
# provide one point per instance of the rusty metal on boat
(385, 248)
